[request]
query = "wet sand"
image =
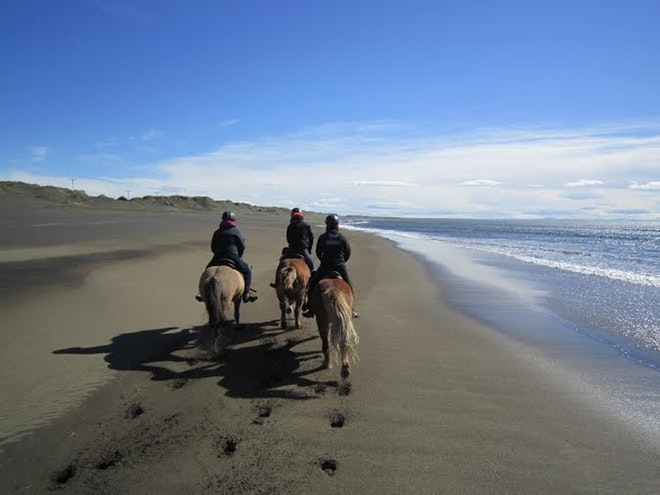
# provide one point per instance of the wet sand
(106, 363)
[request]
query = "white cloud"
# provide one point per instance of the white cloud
(650, 186)
(228, 122)
(378, 168)
(382, 183)
(585, 183)
(481, 183)
(151, 134)
(39, 153)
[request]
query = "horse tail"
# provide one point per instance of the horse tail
(210, 295)
(342, 330)
(288, 278)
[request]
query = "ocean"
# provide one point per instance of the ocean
(583, 297)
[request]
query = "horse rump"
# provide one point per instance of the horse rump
(335, 322)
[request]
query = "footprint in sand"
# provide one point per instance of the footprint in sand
(263, 411)
(178, 383)
(328, 466)
(60, 477)
(228, 445)
(109, 460)
(344, 389)
(337, 419)
(134, 411)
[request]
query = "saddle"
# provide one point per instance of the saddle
(332, 274)
(227, 262)
(289, 255)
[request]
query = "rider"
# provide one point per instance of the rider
(334, 251)
(229, 243)
(300, 237)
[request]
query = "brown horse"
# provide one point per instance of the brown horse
(291, 281)
(221, 289)
(332, 300)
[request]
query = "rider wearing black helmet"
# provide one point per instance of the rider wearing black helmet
(229, 243)
(334, 250)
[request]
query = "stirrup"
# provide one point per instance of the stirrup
(355, 314)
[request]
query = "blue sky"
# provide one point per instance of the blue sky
(416, 108)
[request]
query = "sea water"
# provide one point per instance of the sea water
(583, 297)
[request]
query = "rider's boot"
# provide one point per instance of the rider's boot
(247, 297)
(309, 312)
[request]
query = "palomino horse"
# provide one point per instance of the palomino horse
(291, 281)
(332, 300)
(221, 289)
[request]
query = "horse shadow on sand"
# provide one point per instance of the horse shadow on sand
(260, 362)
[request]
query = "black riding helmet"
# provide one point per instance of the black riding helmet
(332, 221)
(228, 216)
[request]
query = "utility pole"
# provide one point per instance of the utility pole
(128, 194)
(73, 183)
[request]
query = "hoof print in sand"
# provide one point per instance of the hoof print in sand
(134, 411)
(60, 477)
(328, 466)
(319, 388)
(337, 419)
(344, 389)
(228, 445)
(178, 383)
(109, 460)
(263, 411)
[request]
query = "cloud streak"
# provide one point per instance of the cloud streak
(385, 168)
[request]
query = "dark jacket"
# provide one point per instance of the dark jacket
(299, 234)
(227, 241)
(333, 249)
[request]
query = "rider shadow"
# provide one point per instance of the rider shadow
(135, 351)
(255, 371)
(269, 371)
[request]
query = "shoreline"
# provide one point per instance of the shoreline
(613, 379)
(437, 403)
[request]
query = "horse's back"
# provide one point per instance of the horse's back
(338, 285)
(335, 288)
(298, 264)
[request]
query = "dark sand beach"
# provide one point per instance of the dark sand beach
(108, 385)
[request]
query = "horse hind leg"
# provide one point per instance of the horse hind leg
(297, 312)
(324, 334)
(219, 343)
(283, 312)
(345, 361)
(237, 313)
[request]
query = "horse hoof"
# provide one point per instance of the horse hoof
(283, 326)
(345, 372)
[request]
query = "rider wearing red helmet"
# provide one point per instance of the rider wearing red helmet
(300, 238)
